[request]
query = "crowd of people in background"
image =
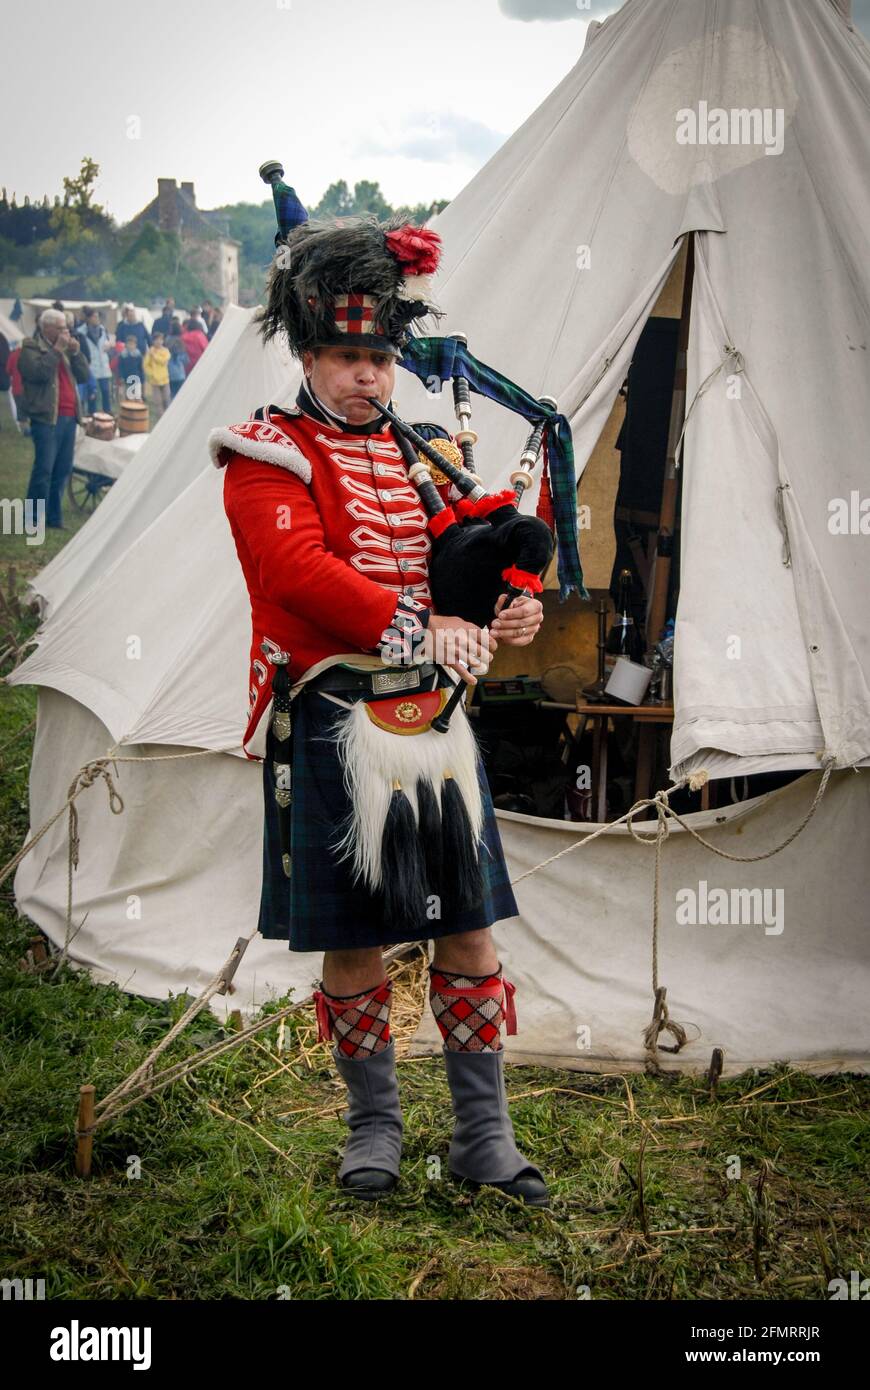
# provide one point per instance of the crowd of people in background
(132, 363)
(73, 366)
(146, 366)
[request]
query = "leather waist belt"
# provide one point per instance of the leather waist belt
(392, 681)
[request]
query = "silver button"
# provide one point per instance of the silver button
(386, 496)
(404, 564)
(398, 545)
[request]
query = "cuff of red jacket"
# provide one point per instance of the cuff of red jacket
(401, 642)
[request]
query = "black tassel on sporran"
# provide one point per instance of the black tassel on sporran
(403, 865)
(463, 881)
(429, 822)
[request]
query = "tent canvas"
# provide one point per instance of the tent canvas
(780, 278)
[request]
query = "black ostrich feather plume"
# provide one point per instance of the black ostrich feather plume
(319, 260)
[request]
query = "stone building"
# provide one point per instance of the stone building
(208, 246)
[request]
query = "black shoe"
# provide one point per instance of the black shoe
(369, 1183)
(370, 1164)
(528, 1185)
(483, 1149)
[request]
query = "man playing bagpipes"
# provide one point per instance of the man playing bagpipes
(379, 822)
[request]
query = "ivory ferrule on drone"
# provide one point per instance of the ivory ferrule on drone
(522, 476)
(465, 437)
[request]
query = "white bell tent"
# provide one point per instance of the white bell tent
(554, 257)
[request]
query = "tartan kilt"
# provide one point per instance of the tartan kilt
(320, 908)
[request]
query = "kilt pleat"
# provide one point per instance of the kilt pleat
(320, 907)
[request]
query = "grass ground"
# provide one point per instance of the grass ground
(224, 1185)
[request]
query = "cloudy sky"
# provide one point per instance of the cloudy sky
(412, 93)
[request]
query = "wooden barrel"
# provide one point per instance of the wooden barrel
(134, 417)
(101, 425)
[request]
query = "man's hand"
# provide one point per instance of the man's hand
(518, 625)
(460, 645)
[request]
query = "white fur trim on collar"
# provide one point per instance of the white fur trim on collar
(258, 440)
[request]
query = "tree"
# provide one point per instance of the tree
(422, 211)
(336, 202)
(367, 197)
(151, 260)
(78, 192)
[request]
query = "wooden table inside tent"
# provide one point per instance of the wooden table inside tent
(645, 716)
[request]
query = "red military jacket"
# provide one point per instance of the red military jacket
(330, 533)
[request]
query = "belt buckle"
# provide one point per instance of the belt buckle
(385, 681)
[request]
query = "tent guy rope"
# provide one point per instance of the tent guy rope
(732, 354)
(661, 1021)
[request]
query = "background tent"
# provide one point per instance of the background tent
(596, 177)
(32, 308)
(111, 312)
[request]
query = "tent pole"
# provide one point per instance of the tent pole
(668, 511)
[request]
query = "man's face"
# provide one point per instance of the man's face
(51, 330)
(343, 378)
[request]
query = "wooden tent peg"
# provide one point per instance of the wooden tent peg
(84, 1132)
